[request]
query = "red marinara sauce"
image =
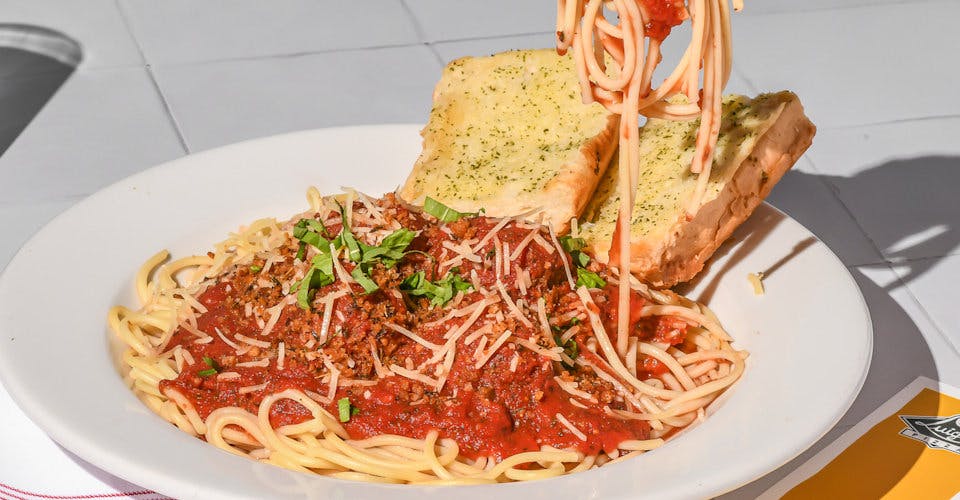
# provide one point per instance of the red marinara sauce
(504, 405)
(663, 16)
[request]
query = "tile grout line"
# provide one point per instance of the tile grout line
(743, 76)
(926, 314)
(346, 49)
(288, 55)
(865, 5)
(494, 37)
(153, 79)
(436, 54)
(421, 33)
(168, 110)
(834, 191)
(417, 27)
(894, 121)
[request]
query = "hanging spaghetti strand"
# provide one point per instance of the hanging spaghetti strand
(615, 65)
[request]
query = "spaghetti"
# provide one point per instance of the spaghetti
(626, 89)
(411, 371)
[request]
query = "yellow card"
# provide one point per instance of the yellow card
(908, 448)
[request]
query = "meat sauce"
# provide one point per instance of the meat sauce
(505, 406)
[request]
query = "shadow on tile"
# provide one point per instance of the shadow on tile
(908, 208)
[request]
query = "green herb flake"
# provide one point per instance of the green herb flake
(302, 251)
(369, 286)
(391, 249)
(443, 212)
(309, 232)
(439, 292)
(389, 252)
(589, 279)
(207, 372)
(212, 363)
(346, 410)
(255, 269)
(574, 247)
(570, 348)
(571, 244)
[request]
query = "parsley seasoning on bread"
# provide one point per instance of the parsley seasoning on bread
(760, 139)
(508, 134)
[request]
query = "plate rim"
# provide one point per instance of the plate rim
(53, 425)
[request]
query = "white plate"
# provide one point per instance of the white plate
(810, 336)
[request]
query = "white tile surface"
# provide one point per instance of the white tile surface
(96, 24)
(900, 181)
(449, 51)
(934, 282)
(100, 127)
(176, 31)
(769, 6)
(804, 195)
(458, 19)
(225, 102)
(857, 65)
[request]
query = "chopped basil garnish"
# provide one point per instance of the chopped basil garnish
(571, 244)
(308, 231)
(255, 268)
(309, 225)
(574, 247)
(213, 370)
(369, 286)
(212, 363)
(570, 348)
(391, 249)
(302, 251)
(589, 279)
(346, 410)
(443, 212)
(439, 292)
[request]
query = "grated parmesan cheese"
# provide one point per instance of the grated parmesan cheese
(490, 234)
(523, 243)
(573, 429)
(254, 342)
(512, 306)
(414, 375)
(413, 336)
(261, 363)
(493, 349)
(225, 339)
(253, 388)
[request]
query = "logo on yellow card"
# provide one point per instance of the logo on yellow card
(936, 432)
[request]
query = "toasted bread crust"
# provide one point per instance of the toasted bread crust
(693, 242)
(567, 194)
